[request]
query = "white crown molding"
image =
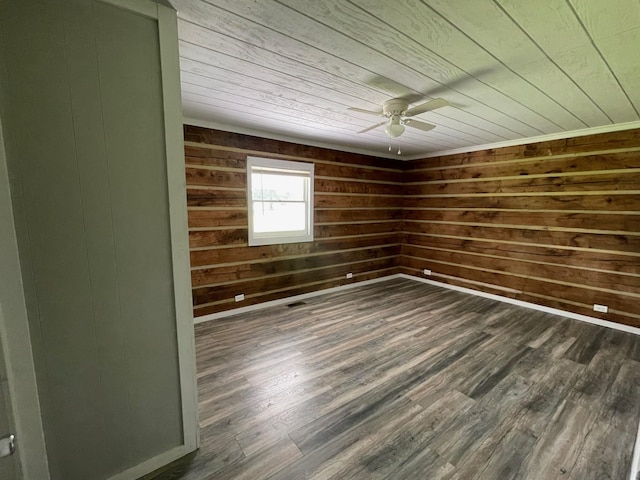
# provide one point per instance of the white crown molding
(509, 143)
(283, 138)
(524, 141)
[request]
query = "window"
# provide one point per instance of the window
(280, 200)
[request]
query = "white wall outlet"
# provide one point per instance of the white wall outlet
(240, 297)
(426, 271)
(600, 308)
(349, 275)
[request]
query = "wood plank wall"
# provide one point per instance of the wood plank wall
(357, 222)
(554, 223)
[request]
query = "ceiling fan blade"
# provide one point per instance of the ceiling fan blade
(426, 107)
(370, 112)
(372, 127)
(425, 127)
(394, 88)
(461, 81)
(388, 85)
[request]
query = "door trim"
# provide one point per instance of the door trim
(16, 342)
(174, 140)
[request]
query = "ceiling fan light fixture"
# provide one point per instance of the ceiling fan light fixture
(394, 129)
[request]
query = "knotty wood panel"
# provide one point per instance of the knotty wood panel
(358, 222)
(357, 201)
(605, 143)
(217, 218)
(244, 271)
(198, 197)
(621, 201)
(229, 254)
(199, 176)
(268, 283)
(564, 255)
(611, 281)
(535, 235)
(525, 183)
(538, 166)
(590, 220)
(555, 223)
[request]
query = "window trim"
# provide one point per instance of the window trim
(298, 169)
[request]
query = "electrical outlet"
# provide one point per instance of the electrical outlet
(349, 275)
(426, 271)
(240, 297)
(600, 308)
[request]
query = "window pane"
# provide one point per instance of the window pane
(267, 186)
(279, 217)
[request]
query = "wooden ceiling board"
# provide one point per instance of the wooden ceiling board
(562, 37)
(565, 103)
(607, 18)
(623, 57)
(595, 78)
(255, 91)
(423, 64)
(469, 56)
(511, 70)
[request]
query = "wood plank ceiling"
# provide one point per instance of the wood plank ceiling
(510, 69)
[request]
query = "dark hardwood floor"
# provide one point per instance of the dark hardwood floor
(403, 380)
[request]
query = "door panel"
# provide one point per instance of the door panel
(86, 153)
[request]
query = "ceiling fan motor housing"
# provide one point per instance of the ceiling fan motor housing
(393, 107)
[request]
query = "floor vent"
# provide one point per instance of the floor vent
(296, 304)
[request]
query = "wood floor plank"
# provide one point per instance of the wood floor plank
(502, 456)
(605, 454)
(557, 450)
(404, 380)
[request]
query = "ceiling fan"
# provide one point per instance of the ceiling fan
(398, 115)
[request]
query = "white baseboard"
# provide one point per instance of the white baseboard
(533, 306)
(295, 298)
(153, 463)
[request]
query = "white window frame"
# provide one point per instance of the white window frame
(301, 169)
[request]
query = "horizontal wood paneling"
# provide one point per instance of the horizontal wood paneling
(199, 197)
(607, 143)
(295, 290)
(218, 218)
(231, 254)
(357, 217)
(244, 271)
(567, 256)
(524, 233)
(555, 223)
(619, 201)
(611, 281)
(526, 183)
(563, 164)
(587, 220)
(266, 283)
